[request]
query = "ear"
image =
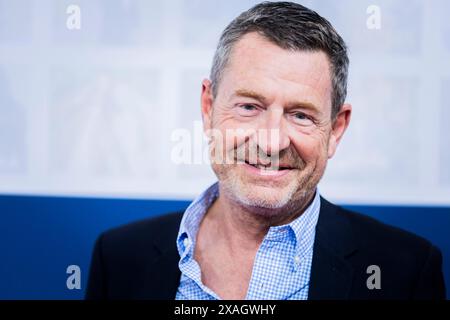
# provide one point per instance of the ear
(339, 126)
(206, 105)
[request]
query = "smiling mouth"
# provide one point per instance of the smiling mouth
(269, 167)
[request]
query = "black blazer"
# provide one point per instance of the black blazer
(140, 260)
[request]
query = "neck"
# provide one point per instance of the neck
(243, 228)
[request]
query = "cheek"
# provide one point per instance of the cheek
(233, 133)
(311, 148)
(225, 142)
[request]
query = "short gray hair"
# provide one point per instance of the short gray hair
(291, 26)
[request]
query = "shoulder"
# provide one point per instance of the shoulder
(123, 259)
(142, 235)
(410, 264)
(372, 232)
(367, 231)
(375, 241)
(402, 252)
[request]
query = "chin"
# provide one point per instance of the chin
(262, 196)
(269, 196)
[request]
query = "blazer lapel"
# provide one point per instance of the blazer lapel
(331, 273)
(163, 276)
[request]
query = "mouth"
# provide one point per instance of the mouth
(267, 170)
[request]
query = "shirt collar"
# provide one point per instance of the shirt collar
(302, 227)
(193, 216)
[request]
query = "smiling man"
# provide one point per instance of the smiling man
(274, 110)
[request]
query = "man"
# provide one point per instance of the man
(274, 106)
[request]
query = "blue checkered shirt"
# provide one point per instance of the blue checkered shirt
(282, 266)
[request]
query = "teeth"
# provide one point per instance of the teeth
(266, 168)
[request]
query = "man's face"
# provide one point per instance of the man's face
(273, 106)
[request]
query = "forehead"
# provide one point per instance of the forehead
(257, 64)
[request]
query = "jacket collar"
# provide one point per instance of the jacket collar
(331, 273)
(163, 277)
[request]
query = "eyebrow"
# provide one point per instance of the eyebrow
(261, 98)
(249, 94)
(303, 105)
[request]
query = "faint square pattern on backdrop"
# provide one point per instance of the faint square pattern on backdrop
(91, 111)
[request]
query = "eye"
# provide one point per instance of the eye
(302, 119)
(247, 110)
(248, 107)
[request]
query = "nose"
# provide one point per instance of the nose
(272, 133)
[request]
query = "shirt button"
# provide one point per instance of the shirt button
(297, 260)
(186, 242)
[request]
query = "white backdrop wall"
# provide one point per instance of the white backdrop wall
(91, 111)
